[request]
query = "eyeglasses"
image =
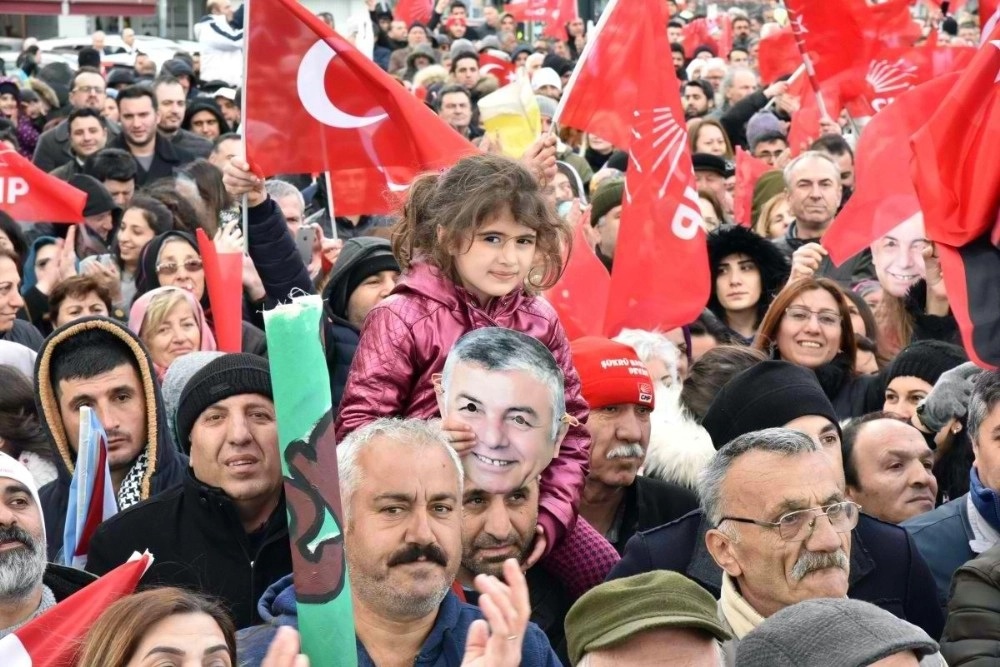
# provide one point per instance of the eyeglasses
(800, 315)
(798, 526)
(170, 268)
(99, 90)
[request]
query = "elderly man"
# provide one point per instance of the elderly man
(959, 530)
(813, 185)
(224, 531)
(401, 486)
(616, 500)
(29, 586)
(781, 525)
(886, 568)
(888, 467)
(656, 618)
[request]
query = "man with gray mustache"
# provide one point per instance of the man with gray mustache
(616, 500)
(781, 526)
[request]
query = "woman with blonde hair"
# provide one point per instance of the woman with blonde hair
(171, 323)
(163, 626)
(774, 218)
(707, 135)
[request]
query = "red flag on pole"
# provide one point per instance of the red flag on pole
(698, 33)
(660, 278)
(54, 638)
(581, 295)
(879, 204)
(28, 194)
(748, 171)
(531, 10)
(323, 106)
(414, 11)
(224, 282)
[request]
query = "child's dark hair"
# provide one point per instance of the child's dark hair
(458, 201)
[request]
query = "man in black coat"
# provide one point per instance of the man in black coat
(100, 363)
(224, 531)
(618, 388)
(156, 157)
(886, 569)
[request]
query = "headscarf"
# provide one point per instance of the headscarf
(137, 317)
(146, 278)
(30, 277)
(19, 357)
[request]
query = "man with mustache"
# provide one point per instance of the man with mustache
(781, 526)
(224, 530)
(616, 500)
(29, 586)
(886, 567)
(401, 488)
(99, 363)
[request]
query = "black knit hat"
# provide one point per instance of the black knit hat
(229, 375)
(773, 265)
(768, 395)
(925, 359)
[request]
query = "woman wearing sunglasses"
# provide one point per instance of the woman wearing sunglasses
(173, 260)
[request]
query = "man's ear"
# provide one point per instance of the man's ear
(723, 553)
(436, 378)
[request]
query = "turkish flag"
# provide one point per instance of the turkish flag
(504, 70)
(531, 10)
(414, 11)
(28, 194)
(660, 278)
(778, 56)
(748, 171)
(988, 15)
(581, 295)
(54, 638)
(315, 103)
(879, 204)
(563, 12)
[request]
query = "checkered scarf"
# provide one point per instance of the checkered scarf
(130, 492)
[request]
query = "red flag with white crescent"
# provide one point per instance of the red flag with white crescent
(315, 103)
(28, 194)
(503, 70)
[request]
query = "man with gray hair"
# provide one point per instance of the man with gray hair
(503, 405)
(812, 182)
(738, 83)
(401, 487)
(782, 525)
(958, 531)
(29, 586)
(289, 199)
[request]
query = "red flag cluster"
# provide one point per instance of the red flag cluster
(661, 279)
(323, 106)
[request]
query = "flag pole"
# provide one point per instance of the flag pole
(810, 72)
(587, 48)
(245, 206)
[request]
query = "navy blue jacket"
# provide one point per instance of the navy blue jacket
(942, 536)
(886, 568)
(444, 647)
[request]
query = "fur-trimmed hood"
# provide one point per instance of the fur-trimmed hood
(679, 448)
(774, 266)
(163, 456)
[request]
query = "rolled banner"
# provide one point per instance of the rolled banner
(91, 495)
(224, 282)
(312, 483)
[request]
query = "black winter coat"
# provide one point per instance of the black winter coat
(972, 634)
(886, 568)
(650, 503)
(195, 534)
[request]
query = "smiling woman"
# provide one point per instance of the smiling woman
(171, 324)
(165, 626)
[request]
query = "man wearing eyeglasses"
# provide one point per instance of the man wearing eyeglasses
(86, 91)
(886, 568)
(781, 526)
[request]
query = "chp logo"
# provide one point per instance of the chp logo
(887, 79)
(11, 187)
(645, 393)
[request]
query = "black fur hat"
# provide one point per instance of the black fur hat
(773, 265)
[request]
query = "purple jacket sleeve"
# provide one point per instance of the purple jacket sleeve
(381, 375)
(562, 482)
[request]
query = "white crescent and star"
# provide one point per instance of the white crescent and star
(312, 92)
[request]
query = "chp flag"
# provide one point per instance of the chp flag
(28, 194)
(660, 278)
(316, 104)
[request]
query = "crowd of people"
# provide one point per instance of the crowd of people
(804, 475)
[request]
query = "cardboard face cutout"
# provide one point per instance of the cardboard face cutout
(898, 256)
